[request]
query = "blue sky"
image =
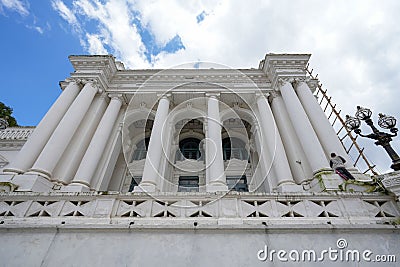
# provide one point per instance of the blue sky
(35, 55)
(33, 62)
(355, 45)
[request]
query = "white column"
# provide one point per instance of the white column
(69, 162)
(62, 135)
(305, 132)
(93, 154)
(265, 162)
(322, 127)
(275, 147)
(215, 162)
(38, 139)
(298, 163)
(168, 156)
(150, 178)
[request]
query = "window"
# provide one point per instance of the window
(237, 183)
(188, 184)
(134, 182)
(189, 148)
(141, 149)
(234, 148)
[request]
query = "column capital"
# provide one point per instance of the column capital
(282, 81)
(213, 95)
(93, 82)
(74, 80)
(298, 81)
(261, 95)
(312, 84)
(103, 96)
(272, 95)
(164, 96)
(118, 97)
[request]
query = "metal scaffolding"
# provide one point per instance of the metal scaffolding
(347, 139)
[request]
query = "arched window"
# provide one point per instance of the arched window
(189, 148)
(234, 148)
(141, 149)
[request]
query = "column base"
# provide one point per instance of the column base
(40, 172)
(32, 183)
(216, 187)
(360, 176)
(75, 188)
(145, 187)
(13, 171)
(325, 181)
(289, 187)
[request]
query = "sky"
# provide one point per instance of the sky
(355, 45)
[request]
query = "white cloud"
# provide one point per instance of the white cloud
(22, 7)
(16, 5)
(36, 28)
(66, 14)
(355, 45)
(95, 45)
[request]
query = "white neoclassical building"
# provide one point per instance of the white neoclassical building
(226, 159)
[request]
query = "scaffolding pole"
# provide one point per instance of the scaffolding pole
(348, 135)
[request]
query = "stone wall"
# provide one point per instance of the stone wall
(174, 247)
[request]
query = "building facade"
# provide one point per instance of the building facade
(208, 160)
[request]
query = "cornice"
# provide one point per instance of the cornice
(105, 71)
(90, 62)
(282, 66)
(112, 77)
(98, 68)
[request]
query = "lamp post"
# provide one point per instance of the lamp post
(382, 139)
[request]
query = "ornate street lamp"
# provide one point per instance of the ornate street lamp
(382, 139)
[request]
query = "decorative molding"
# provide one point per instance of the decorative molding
(189, 105)
(7, 187)
(281, 209)
(272, 95)
(312, 83)
(282, 81)
(143, 106)
(296, 81)
(391, 181)
(16, 133)
(3, 124)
